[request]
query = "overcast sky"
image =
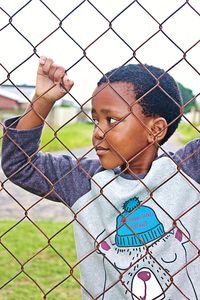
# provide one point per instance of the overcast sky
(85, 24)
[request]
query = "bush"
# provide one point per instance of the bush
(187, 132)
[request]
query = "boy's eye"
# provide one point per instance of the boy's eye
(111, 120)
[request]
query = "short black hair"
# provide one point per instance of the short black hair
(163, 99)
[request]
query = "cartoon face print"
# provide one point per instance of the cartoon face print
(147, 273)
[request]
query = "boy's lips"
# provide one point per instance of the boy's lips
(101, 150)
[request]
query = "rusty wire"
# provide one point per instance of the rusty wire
(148, 251)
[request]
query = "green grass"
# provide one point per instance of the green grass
(187, 132)
(26, 255)
(73, 136)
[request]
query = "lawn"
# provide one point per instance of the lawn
(73, 136)
(29, 258)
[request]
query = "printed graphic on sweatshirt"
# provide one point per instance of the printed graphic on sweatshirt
(146, 274)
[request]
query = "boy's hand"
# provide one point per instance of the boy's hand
(52, 83)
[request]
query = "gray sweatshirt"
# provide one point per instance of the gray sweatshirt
(136, 236)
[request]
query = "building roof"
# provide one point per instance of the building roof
(20, 93)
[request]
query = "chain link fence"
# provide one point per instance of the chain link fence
(47, 254)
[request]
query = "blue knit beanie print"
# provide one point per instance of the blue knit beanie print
(138, 227)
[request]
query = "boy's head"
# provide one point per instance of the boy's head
(146, 96)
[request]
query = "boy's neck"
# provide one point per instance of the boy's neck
(143, 162)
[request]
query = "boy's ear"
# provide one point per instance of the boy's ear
(158, 129)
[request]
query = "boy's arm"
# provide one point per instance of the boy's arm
(51, 84)
(55, 177)
(188, 159)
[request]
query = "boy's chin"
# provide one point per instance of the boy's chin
(109, 165)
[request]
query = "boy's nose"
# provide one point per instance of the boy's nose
(99, 132)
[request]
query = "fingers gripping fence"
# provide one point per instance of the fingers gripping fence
(146, 254)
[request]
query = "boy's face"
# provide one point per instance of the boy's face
(119, 134)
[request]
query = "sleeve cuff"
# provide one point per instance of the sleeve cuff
(10, 125)
(29, 140)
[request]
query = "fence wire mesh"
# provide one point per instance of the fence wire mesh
(49, 241)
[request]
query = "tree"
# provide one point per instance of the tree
(187, 94)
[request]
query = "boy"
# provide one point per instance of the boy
(136, 215)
